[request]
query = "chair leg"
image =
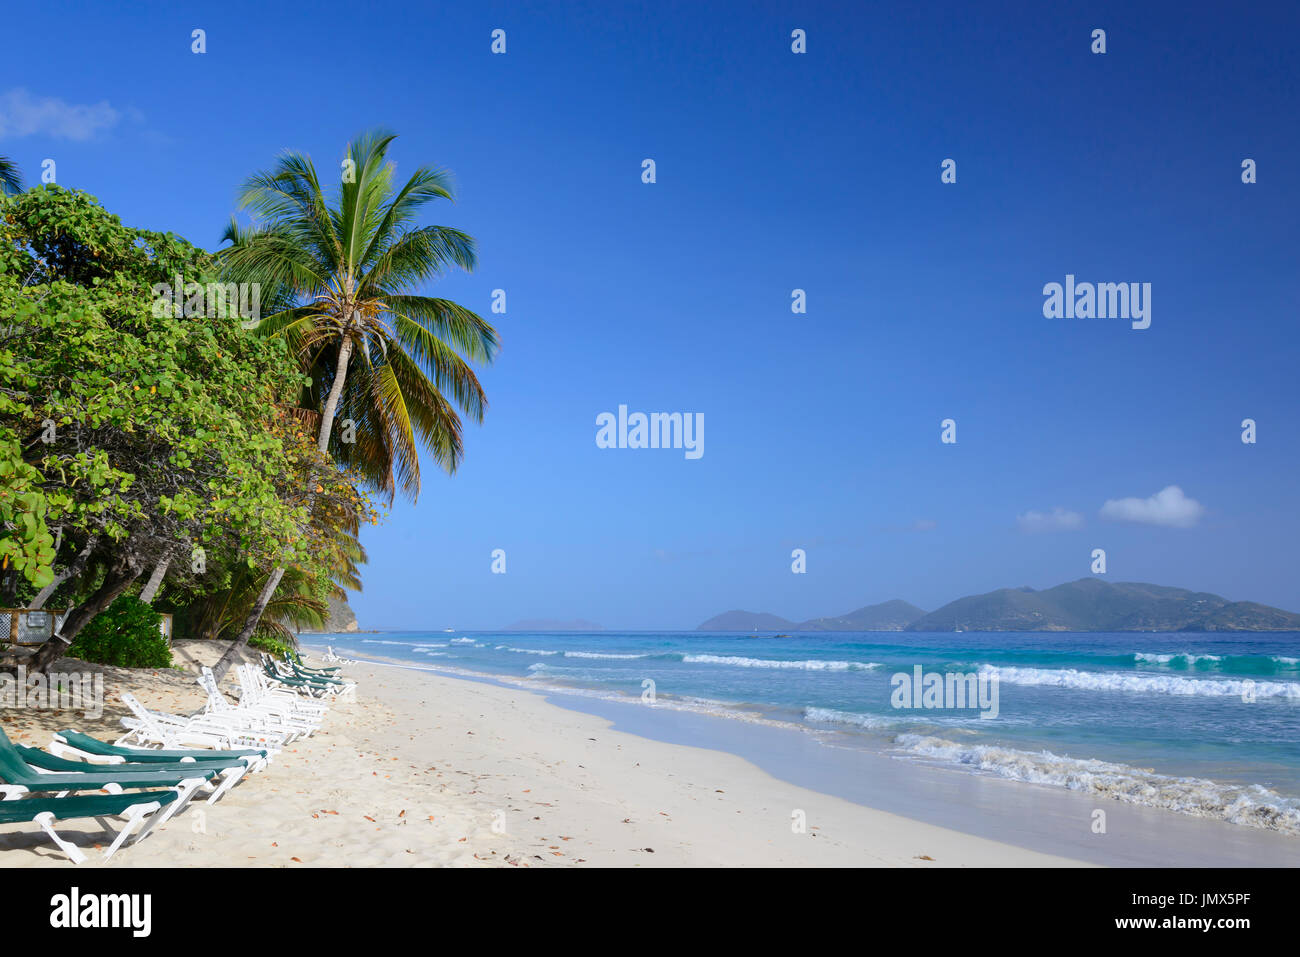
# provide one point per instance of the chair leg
(46, 820)
(229, 778)
(133, 818)
(185, 790)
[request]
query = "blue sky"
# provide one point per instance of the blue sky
(775, 171)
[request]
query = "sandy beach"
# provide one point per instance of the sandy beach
(426, 770)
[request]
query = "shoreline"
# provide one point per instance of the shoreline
(1041, 818)
(618, 798)
(429, 770)
(432, 769)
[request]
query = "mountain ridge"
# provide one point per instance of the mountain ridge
(1084, 605)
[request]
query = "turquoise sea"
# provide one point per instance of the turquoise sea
(1203, 724)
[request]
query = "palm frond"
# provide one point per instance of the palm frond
(355, 270)
(11, 180)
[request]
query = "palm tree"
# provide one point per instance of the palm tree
(221, 613)
(11, 181)
(343, 285)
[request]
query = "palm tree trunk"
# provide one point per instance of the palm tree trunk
(323, 443)
(74, 569)
(336, 390)
(155, 580)
(250, 624)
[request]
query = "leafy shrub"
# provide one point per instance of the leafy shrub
(271, 645)
(126, 634)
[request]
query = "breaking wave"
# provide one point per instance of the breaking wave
(1251, 805)
(1143, 683)
(814, 664)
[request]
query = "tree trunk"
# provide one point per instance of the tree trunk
(74, 569)
(250, 624)
(155, 580)
(116, 581)
(323, 444)
(336, 391)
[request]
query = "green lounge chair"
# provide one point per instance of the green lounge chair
(230, 770)
(326, 683)
(305, 675)
(311, 687)
(296, 660)
(18, 778)
(74, 744)
(136, 807)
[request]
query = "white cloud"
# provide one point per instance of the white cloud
(1057, 520)
(1169, 507)
(22, 114)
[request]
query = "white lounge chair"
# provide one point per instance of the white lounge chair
(257, 716)
(170, 731)
(256, 690)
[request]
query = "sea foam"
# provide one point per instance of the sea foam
(832, 716)
(1162, 659)
(815, 664)
(1251, 805)
(1142, 683)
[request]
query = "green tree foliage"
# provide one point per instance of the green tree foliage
(345, 280)
(158, 433)
(25, 542)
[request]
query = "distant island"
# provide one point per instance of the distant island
(887, 616)
(550, 624)
(1088, 604)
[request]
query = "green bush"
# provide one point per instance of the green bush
(271, 645)
(126, 634)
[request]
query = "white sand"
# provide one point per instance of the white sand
(429, 770)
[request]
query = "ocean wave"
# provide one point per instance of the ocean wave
(1229, 664)
(950, 722)
(1251, 805)
(831, 716)
(1161, 659)
(462, 641)
(601, 654)
(1156, 684)
(815, 664)
(571, 654)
